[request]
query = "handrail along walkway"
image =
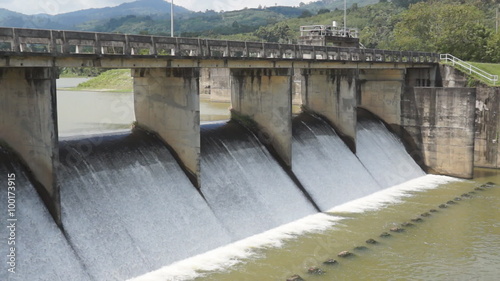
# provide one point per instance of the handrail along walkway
(469, 67)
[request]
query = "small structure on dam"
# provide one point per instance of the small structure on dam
(329, 35)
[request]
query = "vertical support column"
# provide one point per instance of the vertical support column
(215, 82)
(166, 102)
(333, 94)
(444, 120)
(28, 125)
(264, 96)
(381, 91)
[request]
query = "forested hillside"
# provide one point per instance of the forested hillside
(464, 28)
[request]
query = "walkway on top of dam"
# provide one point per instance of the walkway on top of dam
(21, 47)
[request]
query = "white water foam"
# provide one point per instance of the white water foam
(392, 195)
(227, 256)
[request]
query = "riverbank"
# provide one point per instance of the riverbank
(114, 80)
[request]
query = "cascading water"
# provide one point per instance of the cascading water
(128, 208)
(383, 154)
(326, 167)
(41, 250)
(244, 185)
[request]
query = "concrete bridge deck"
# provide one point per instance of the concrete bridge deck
(44, 48)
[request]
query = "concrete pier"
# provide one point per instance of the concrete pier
(166, 102)
(441, 121)
(265, 96)
(28, 125)
(381, 91)
(333, 93)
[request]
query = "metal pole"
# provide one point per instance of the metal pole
(172, 18)
(345, 18)
(496, 22)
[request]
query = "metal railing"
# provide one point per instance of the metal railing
(467, 67)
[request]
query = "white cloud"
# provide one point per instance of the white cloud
(63, 6)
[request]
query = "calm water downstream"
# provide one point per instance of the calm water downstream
(460, 242)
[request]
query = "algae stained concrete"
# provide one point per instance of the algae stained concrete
(28, 125)
(333, 94)
(167, 102)
(265, 96)
(381, 91)
(441, 120)
(487, 152)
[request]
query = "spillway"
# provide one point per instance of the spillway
(327, 168)
(383, 154)
(128, 208)
(41, 250)
(244, 185)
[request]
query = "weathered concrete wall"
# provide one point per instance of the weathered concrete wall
(28, 124)
(422, 77)
(297, 87)
(264, 95)
(452, 77)
(487, 152)
(166, 101)
(216, 83)
(381, 92)
(333, 95)
(441, 121)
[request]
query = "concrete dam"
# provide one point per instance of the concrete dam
(173, 187)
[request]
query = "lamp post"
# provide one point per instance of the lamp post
(345, 18)
(172, 18)
(496, 22)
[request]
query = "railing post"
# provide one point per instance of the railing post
(153, 50)
(16, 46)
(200, 48)
(127, 50)
(65, 44)
(53, 43)
(97, 45)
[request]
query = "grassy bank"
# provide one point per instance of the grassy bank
(111, 80)
(491, 68)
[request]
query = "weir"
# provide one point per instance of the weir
(157, 197)
(128, 208)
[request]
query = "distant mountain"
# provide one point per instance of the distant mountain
(13, 19)
(336, 4)
(137, 8)
(72, 20)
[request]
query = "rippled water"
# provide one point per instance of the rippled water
(460, 242)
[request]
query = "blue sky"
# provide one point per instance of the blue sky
(62, 6)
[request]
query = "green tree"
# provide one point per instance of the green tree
(277, 33)
(493, 48)
(444, 28)
(405, 3)
(306, 14)
(323, 11)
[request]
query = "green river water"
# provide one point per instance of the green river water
(460, 242)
